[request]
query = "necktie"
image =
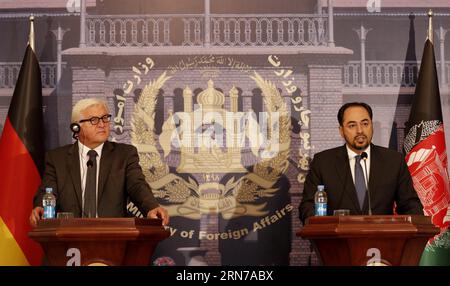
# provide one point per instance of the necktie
(90, 191)
(360, 184)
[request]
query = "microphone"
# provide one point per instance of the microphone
(90, 163)
(364, 156)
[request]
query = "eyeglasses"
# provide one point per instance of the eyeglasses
(95, 120)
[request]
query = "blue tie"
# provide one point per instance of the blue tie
(360, 183)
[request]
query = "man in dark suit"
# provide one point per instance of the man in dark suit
(95, 177)
(340, 170)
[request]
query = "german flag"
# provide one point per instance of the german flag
(21, 164)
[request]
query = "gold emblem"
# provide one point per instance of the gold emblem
(186, 197)
(210, 156)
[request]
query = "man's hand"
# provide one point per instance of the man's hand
(161, 213)
(36, 214)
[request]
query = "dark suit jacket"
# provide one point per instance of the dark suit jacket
(389, 182)
(120, 177)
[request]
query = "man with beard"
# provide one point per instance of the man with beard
(342, 171)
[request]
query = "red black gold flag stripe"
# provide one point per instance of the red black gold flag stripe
(21, 165)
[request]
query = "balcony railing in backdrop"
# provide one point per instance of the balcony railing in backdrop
(386, 73)
(9, 71)
(378, 74)
(224, 30)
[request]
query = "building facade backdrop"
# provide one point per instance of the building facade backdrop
(227, 101)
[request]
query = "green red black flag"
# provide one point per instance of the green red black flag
(425, 151)
(22, 163)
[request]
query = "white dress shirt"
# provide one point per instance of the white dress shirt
(83, 150)
(351, 157)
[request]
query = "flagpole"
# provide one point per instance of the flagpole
(31, 36)
(430, 26)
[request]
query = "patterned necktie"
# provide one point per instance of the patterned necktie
(90, 191)
(360, 184)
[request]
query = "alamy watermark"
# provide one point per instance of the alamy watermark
(375, 256)
(373, 6)
(73, 6)
(74, 255)
(213, 129)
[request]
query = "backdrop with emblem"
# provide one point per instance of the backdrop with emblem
(226, 102)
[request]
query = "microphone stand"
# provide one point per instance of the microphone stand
(364, 156)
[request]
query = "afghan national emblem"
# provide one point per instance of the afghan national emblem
(211, 141)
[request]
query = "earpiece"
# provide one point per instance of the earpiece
(75, 128)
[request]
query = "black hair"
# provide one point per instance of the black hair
(340, 115)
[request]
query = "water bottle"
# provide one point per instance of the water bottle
(49, 203)
(320, 201)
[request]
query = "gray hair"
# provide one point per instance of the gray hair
(84, 104)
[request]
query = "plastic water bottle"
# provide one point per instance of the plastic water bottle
(49, 203)
(320, 201)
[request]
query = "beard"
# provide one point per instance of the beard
(359, 146)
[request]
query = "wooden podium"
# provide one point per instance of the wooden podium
(369, 240)
(99, 241)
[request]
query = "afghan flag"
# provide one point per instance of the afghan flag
(21, 165)
(426, 157)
